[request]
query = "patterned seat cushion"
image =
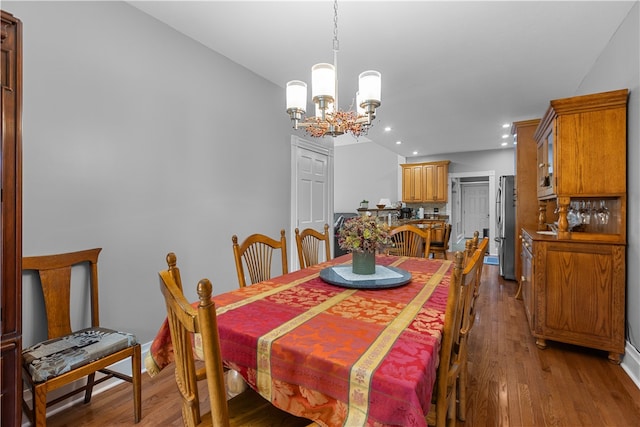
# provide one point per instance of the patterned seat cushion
(54, 357)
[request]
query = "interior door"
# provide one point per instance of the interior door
(312, 192)
(475, 208)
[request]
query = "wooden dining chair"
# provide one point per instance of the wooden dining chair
(441, 246)
(256, 252)
(309, 242)
(409, 240)
(472, 275)
(246, 409)
(443, 402)
(482, 247)
(68, 355)
(470, 246)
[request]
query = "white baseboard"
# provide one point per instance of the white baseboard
(124, 366)
(631, 363)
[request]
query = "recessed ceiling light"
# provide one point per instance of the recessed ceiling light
(398, 142)
(505, 136)
(506, 125)
(387, 129)
(415, 152)
(504, 144)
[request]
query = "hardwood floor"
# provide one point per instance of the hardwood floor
(511, 381)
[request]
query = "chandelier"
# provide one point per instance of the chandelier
(329, 119)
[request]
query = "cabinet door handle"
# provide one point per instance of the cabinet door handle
(523, 279)
(541, 165)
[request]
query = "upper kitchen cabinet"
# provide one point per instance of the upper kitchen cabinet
(436, 176)
(425, 182)
(412, 182)
(581, 165)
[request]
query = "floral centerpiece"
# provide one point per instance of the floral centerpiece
(363, 236)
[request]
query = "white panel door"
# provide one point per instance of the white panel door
(311, 190)
(475, 208)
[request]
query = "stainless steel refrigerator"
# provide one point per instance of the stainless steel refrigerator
(506, 225)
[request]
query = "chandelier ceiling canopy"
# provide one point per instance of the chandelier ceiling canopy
(329, 119)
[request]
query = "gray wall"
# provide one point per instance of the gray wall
(366, 171)
(134, 141)
(369, 171)
(617, 68)
(501, 161)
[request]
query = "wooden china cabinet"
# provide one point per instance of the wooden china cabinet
(11, 290)
(573, 279)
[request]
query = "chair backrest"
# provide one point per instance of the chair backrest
(172, 262)
(257, 253)
(409, 240)
(471, 275)
(55, 279)
(184, 321)
(482, 249)
(437, 227)
(308, 242)
(449, 365)
(470, 245)
(447, 236)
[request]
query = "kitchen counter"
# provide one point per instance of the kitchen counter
(426, 218)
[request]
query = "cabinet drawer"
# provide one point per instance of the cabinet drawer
(526, 242)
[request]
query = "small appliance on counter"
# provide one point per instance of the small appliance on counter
(406, 213)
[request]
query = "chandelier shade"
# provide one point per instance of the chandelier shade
(370, 86)
(297, 95)
(323, 82)
(329, 119)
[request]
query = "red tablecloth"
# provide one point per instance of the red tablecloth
(335, 355)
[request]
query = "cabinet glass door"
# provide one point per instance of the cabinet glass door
(550, 159)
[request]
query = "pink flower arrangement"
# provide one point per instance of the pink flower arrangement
(363, 234)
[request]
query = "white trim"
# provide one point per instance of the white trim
(631, 363)
(123, 366)
(493, 248)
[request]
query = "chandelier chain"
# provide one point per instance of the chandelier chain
(336, 43)
(329, 119)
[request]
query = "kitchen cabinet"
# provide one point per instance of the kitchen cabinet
(526, 180)
(11, 156)
(436, 177)
(412, 182)
(574, 292)
(425, 182)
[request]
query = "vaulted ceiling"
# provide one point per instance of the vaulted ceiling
(452, 72)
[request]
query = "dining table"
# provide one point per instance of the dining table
(343, 354)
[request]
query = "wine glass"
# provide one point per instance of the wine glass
(585, 212)
(573, 216)
(603, 213)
